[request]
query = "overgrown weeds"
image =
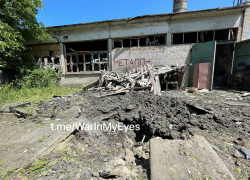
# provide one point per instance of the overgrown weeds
(9, 93)
(38, 86)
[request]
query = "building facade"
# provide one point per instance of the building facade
(81, 51)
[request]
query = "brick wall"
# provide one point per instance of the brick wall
(246, 24)
(125, 59)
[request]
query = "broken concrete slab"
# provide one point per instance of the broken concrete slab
(236, 104)
(190, 159)
(11, 107)
(22, 113)
(72, 112)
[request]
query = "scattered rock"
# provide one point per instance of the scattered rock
(129, 157)
(115, 168)
(238, 163)
(146, 147)
(118, 145)
(95, 174)
(128, 143)
(246, 152)
(140, 153)
(238, 154)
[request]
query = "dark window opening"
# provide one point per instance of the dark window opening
(150, 41)
(118, 44)
(104, 66)
(80, 66)
(57, 60)
(68, 68)
(206, 36)
(221, 35)
(74, 68)
(161, 40)
(143, 41)
(104, 57)
(49, 60)
(134, 42)
(190, 37)
(74, 59)
(178, 38)
(80, 58)
(101, 45)
(68, 59)
(51, 53)
(87, 57)
(96, 59)
(96, 67)
(88, 67)
(126, 42)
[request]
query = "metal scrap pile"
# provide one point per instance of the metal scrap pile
(145, 77)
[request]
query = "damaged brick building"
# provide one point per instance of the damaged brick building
(81, 51)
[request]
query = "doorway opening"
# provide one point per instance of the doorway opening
(223, 65)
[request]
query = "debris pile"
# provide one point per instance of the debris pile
(145, 77)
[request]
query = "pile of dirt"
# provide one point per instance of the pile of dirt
(100, 154)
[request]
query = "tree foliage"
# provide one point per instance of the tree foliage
(18, 23)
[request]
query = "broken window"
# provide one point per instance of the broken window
(204, 36)
(177, 38)
(88, 58)
(57, 60)
(143, 41)
(135, 42)
(80, 62)
(118, 44)
(101, 45)
(221, 35)
(80, 58)
(232, 34)
(160, 40)
(140, 42)
(126, 42)
(51, 53)
(190, 37)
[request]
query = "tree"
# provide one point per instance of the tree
(18, 23)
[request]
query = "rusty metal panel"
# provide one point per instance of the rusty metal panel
(202, 53)
(241, 65)
(204, 80)
(196, 75)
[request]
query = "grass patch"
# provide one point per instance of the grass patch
(7, 173)
(38, 167)
(11, 94)
(42, 138)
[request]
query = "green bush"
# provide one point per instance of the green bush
(39, 78)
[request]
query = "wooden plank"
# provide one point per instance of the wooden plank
(115, 93)
(158, 85)
(246, 94)
(152, 78)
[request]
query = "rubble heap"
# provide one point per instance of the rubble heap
(144, 77)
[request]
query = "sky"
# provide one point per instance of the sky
(64, 12)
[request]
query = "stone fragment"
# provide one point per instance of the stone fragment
(238, 154)
(246, 152)
(129, 157)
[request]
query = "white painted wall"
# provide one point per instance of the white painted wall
(147, 26)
